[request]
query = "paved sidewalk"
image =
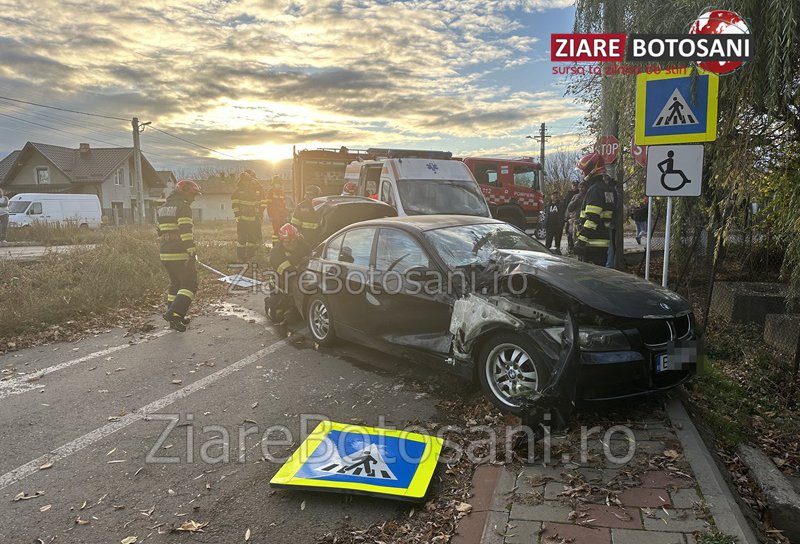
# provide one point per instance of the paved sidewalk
(652, 498)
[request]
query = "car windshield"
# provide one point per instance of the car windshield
(435, 196)
(18, 206)
(472, 245)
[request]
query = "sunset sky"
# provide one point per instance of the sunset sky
(252, 78)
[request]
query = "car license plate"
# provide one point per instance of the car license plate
(662, 363)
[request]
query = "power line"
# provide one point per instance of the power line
(192, 143)
(59, 130)
(19, 119)
(64, 109)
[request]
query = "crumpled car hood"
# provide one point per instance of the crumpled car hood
(610, 291)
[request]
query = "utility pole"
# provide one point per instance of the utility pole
(137, 168)
(541, 137)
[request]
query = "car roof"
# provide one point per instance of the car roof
(430, 222)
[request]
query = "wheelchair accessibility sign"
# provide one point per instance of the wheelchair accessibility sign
(676, 108)
(674, 170)
(366, 460)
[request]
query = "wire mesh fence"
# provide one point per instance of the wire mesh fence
(729, 267)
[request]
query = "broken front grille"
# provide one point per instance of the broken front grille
(656, 333)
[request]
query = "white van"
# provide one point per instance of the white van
(420, 186)
(80, 210)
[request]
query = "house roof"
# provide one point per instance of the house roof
(217, 186)
(93, 166)
(166, 176)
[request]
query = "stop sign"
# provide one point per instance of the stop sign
(608, 147)
(639, 153)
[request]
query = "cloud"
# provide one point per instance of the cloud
(253, 72)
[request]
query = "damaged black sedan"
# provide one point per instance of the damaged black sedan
(487, 301)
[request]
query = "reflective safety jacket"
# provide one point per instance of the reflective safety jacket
(306, 220)
(175, 229)
(284, 261)
(247, 202)
(275, 201)
(597, 214)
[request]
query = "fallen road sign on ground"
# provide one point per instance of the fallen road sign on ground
(674, 170)
(366, 460)
(676, 108)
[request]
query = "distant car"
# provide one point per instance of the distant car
(26, 209)
(370, 283)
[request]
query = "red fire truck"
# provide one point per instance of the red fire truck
(513, 189)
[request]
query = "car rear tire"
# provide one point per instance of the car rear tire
(508, 364)
(319, 321)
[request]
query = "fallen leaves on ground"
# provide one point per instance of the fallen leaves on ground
(22, 496)
(192, 526)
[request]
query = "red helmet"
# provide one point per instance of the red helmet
(592, 164)
(188, 187)
(288, 232)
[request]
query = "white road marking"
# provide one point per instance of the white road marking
(23, 383)
(90, 438)
(234, 310)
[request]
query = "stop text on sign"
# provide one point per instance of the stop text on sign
(587, 47)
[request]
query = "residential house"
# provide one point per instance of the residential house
(215, 203)
(106, 172)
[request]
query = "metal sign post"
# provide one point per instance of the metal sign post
(667, 229)
(649, 236)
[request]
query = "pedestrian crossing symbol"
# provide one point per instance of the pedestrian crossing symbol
(676, 107)
(675, 112)
(366, 460)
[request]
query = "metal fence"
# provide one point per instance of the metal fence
(729, 267)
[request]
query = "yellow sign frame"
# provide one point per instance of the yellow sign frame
(712, 106)
(417, 488)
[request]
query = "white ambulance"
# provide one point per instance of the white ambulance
(417, 186)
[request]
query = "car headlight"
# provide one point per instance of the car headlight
(593, 339)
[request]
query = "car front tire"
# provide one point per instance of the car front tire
(319, 321)
(508, 366)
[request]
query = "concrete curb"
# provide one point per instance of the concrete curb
(721, 502)
(489, 515)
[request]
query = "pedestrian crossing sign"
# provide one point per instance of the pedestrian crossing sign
(366, 460)
(673, 108)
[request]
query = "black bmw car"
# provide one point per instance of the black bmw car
(485, 300)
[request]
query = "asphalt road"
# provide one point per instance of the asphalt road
(96, 408)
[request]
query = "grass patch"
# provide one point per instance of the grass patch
(52, 235)
(743, 394)
(122, 270)
(715, 538)
(120, 273)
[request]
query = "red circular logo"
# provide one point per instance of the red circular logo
(719, 21)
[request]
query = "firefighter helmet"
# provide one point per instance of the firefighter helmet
(350, 188)
(288, 233)
(313, 191)
(592, 164)
(188, 186)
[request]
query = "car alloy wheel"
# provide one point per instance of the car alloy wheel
(319, 321)
(508, 371)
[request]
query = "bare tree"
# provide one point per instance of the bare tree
(560, 172)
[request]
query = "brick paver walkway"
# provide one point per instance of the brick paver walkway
(650, 499)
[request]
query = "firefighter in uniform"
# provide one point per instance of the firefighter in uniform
(305, 218)
(597, 213)
(176, 240)
(247, 204)
(285, 259)
(276, 208)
